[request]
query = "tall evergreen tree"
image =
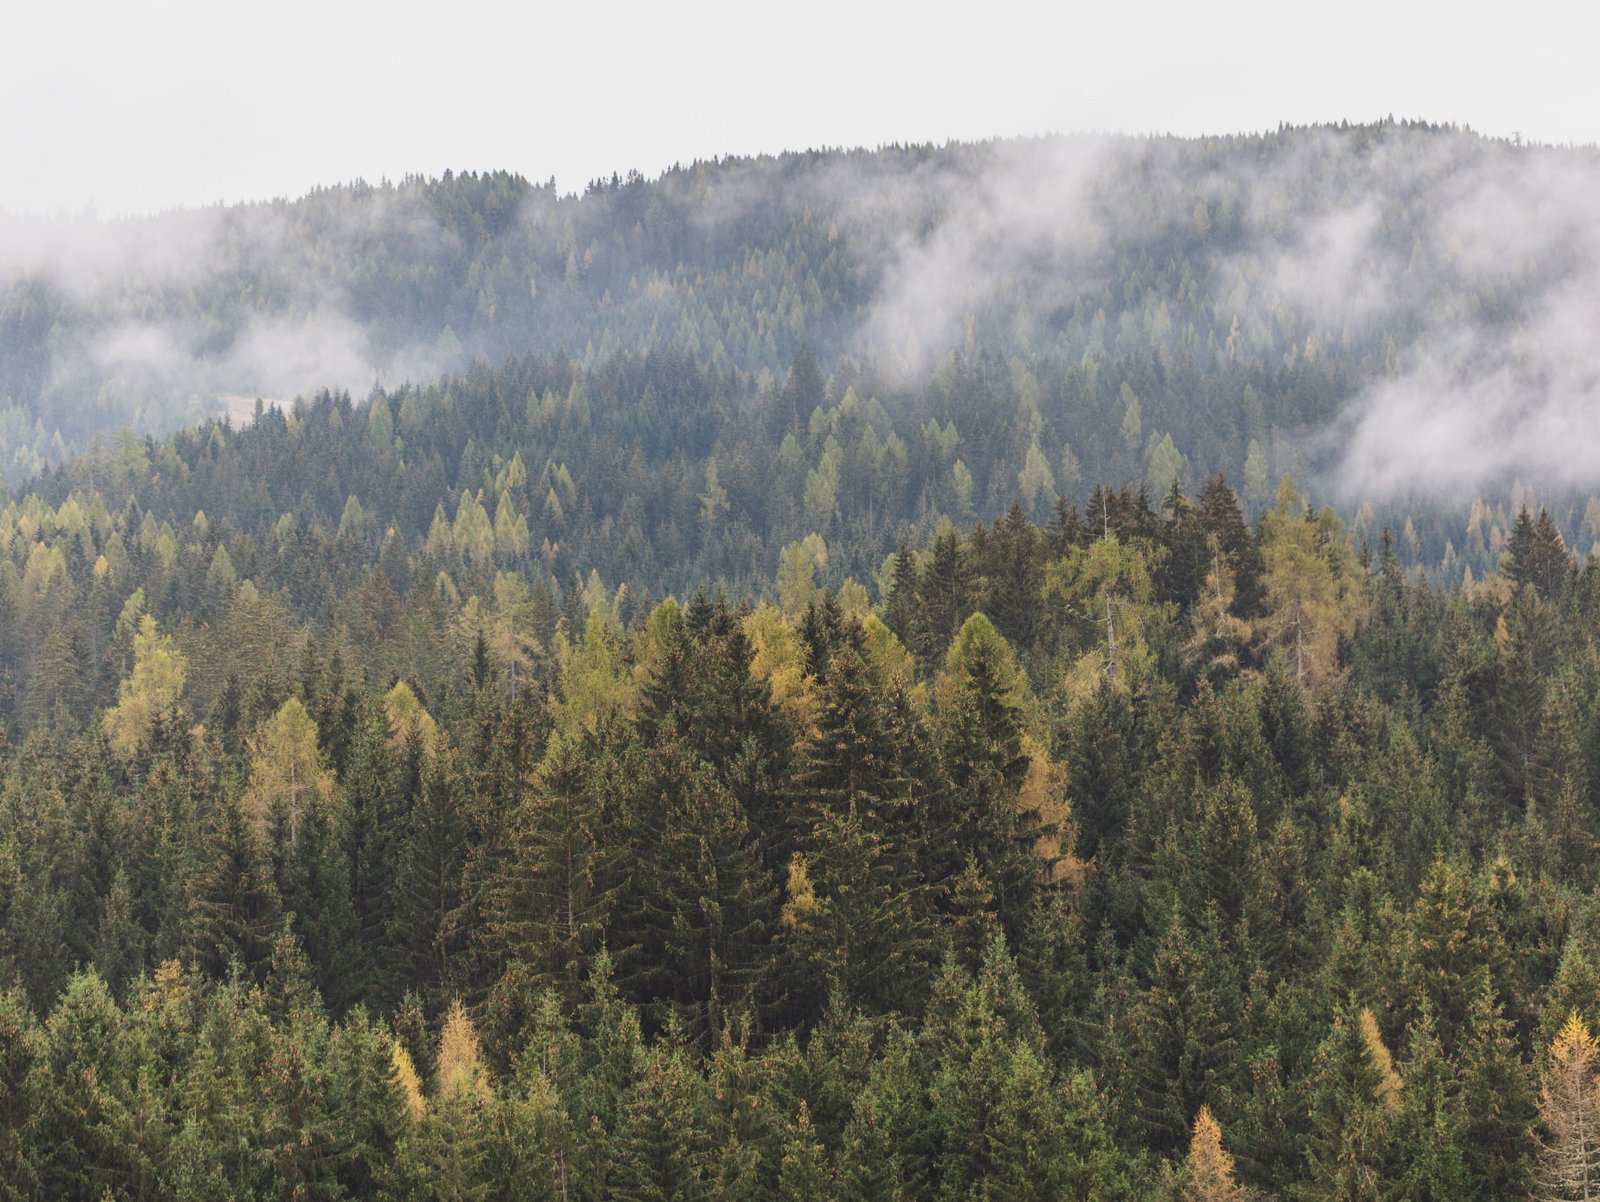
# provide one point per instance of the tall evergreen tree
(234, 911)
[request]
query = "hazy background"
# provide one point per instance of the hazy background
(134, 108)
(1458, 280)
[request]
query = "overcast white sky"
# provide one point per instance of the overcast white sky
(135, 107)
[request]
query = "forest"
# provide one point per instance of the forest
(916, 673)
(1122, 849)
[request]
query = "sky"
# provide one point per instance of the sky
(132, 108)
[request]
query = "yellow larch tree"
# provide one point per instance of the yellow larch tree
(1208, 1173)
(287, 767)
(1313, 583)
(150, 690)
(1568, 1133)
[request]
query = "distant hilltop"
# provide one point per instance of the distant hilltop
(1428, 274)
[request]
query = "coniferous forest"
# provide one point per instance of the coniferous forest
(624, 766)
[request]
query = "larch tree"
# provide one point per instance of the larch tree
(150, 690)
(458, 1130)
(408, 719)
(1107, 586)
(1568, 1129)
(287, 769)
(1219, 636)
(1208, 1172)
(1313, 586)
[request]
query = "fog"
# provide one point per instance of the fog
(1476, 264)
(1457, 278)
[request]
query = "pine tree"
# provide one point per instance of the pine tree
(1511, 693)
(1557, 762)
(1066, 531)
(722, 712)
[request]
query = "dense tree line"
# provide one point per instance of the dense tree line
(656, 471)
(351, 847)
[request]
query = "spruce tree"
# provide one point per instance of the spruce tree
(82, 1088)
(425, 893)
(19, 1047)
(551, 904)
(1355, 1097)
(377, 790)
(700, 911)
(979, 811)
(234, 910)
(1221, 519)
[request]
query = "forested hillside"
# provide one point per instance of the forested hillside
(811, 677)
(1383, 309)
(371, 827)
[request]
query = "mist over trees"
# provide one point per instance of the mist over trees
(915, 673)
(1395, 278)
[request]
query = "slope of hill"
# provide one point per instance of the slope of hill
(370, 825)
(1399, 274)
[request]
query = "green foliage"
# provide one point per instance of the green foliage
(474, 868)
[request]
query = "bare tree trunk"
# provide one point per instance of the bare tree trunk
(1299, 648)
(1111, 640)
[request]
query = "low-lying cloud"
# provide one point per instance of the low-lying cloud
(153, 321)
(1470, 268)
(1459, 278)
